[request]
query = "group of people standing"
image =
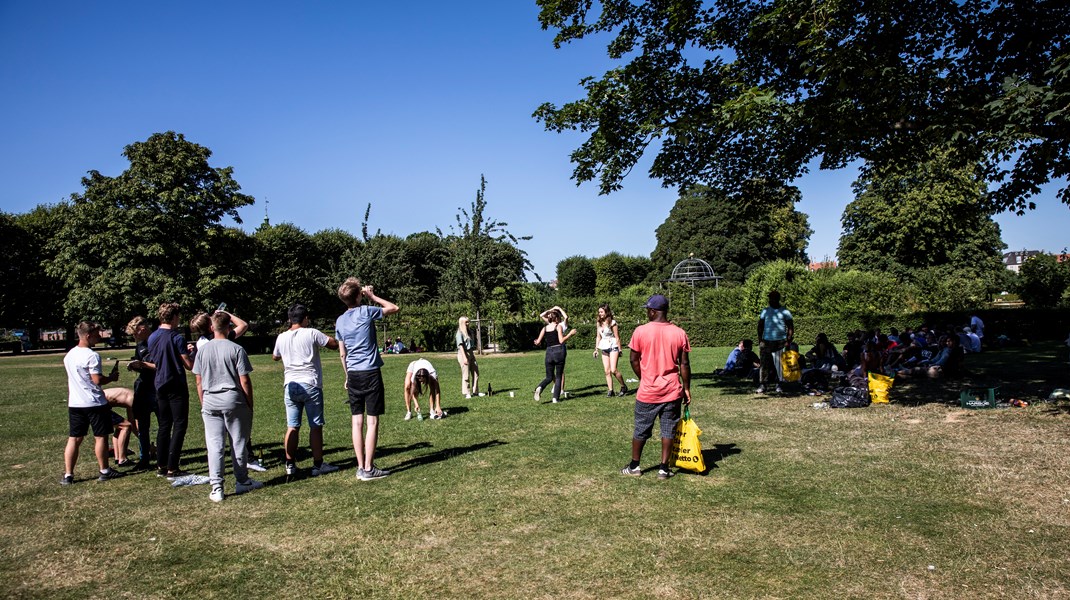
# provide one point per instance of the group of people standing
(222, 372)
(556, 333)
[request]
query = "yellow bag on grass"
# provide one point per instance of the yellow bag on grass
(791, 365)
(878, 387)
(686, 449)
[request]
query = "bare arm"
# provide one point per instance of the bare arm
(389, 307)
(685, 375)
(200, 390)
(247, 387)
(538, 340)
(634, 358)
(187, 361)
(332, 343)
(240, 326)
(564, 336)
(342, 355)
(101, 379)
(789, 326)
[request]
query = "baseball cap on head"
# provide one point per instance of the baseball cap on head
(657, 302)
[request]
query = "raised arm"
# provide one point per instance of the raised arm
(240, 326)
(389, 307)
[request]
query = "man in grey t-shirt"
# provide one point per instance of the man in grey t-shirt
(226, 393)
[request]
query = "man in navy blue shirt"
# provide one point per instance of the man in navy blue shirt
(167, 350)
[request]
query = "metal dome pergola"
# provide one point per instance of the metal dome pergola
(691, 271)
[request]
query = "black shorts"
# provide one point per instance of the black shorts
(82, 418)
(366, 393)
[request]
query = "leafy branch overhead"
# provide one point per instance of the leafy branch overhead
(726, 92)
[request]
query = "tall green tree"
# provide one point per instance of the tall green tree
(483, 255)
(728, 91)
(332, 247)
(1042, 281)
(930, 215)
(285, 272)
(132, 241)
(576, 277)
(732, 233)
(611, 275)
(429, 257)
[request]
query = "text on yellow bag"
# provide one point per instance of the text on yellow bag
(791, 365)
(686, 449)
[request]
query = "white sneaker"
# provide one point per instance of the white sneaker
(254, 465)
(216, 495)
(291, 469)
(248, 486)
(555, 401)
(408, 415)
(323, 469)
(468, 396)
(538, 394)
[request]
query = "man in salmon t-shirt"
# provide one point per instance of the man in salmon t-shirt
(659, 357)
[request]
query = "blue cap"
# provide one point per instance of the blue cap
(657, 302)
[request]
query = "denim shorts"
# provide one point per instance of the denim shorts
(300, 395)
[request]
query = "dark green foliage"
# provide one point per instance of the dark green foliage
(732, 233)
(132, 241)
(929, 223)
(731, 92)
(576, 277)
(1042, 280)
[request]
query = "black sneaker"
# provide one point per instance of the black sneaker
(125, 464)
(664, 474)
(609, 394)
(109, 474)
(66, 480)
(623, 390)
(631, 472)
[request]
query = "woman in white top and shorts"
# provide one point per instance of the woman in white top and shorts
(607, 343)
(421, 375)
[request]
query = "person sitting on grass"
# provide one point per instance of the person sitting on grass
(823, 355)
(742, 361)
(86, 404)
(421, 375)
(121, 398)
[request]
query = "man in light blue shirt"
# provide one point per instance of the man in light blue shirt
(775, 330)
(359, 351)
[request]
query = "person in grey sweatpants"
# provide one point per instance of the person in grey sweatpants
(226, 393)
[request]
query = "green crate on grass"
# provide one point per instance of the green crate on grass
(978, 397)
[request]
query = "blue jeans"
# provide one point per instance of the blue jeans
(298, 396)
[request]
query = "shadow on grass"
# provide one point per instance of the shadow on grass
(718, 453)
(441, 455)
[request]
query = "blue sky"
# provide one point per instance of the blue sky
(324, 107)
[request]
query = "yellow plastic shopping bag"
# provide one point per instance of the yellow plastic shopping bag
(791, 365)
(878, 387)
(686, 449)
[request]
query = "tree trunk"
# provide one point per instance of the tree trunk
(479, 333)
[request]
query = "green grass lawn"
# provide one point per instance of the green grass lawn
(507, 498)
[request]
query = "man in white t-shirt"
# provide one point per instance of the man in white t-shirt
(86, 405)
(298, 349)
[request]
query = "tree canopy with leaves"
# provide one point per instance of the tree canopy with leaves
(729, 91)
(733, 233)
(484, 255)
(143, 237)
